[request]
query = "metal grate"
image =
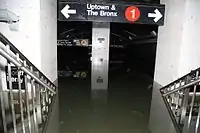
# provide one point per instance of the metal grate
(27, 97)
(182, 99)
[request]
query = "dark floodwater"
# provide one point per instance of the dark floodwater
(125, 108)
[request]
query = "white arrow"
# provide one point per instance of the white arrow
(66, 11)
(157, 15)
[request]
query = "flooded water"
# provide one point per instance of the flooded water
(123, 108)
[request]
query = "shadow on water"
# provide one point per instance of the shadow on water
(126, 109)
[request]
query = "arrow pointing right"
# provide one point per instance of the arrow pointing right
(157, 15)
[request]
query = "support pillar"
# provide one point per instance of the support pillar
(100, 55)
(100, 64)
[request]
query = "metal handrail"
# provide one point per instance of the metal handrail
(43, 93)
(20, 66)
(182, 87)
(6, 42)
(182, 100)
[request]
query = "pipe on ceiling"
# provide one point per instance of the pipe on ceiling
(7, 16)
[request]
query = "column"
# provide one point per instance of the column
(100, 55)
(100, 66)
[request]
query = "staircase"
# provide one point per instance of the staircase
(182, 100)
(26, 95)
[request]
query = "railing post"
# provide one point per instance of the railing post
(38, 102)
(20, 96)
(27, 100)
(198, 119)
(33, 102)
(184, 102)
(11, 94)
(3, 107)
(192, 103)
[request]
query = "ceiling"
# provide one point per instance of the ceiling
(121, 34)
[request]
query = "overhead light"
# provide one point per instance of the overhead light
(154, 33)
(130, 33)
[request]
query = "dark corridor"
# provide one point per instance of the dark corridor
(126, 106)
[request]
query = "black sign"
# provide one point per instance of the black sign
(112, 12)
(75, 42)
(14, 78)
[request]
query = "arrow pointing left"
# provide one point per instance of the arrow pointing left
(66, 11)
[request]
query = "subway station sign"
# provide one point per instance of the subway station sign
(112, 12)
(74, 42)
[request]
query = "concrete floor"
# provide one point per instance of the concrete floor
(125, 108)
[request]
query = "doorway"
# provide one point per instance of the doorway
(131, 69)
